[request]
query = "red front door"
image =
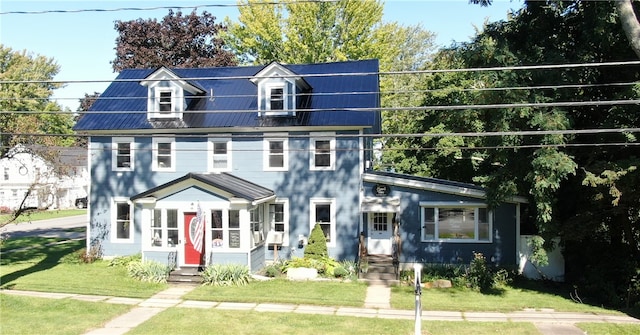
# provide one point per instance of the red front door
(193, 240)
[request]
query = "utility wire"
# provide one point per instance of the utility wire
(342, 74)
(375, 109)
(383, 92)
(73, 11)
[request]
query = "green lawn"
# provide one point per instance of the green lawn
(42, 269)
(35, 215)
(508, 299)
(27, 315)
(211, 321)
(328, 293)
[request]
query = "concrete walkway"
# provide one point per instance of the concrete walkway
(548, 322)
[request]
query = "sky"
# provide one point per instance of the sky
(83, 42)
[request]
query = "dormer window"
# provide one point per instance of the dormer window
(166, 94)
(278, 88)
(276, 99)
(165, 102)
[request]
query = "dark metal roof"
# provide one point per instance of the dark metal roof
(336, 90)
(238, 187)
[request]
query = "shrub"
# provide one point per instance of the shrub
(479, 276)
(125, 260)
(273, 270)
(83, 256)
(340, 272)
(317, 246)
(226, 275)
(148, 271)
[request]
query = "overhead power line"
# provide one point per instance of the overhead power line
(379, 109)
(122, 9)
(342, 74)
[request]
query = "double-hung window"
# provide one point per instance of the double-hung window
(323, 212)
(279, 219)
(462, 223)
(122, 154)
(164, 228)
(163, 154)
(257, 224)
(121, 220)
(323, 153)
(219, 154)
(276, 98)
(276, 154)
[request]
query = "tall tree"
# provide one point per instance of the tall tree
(305, 32)
(583, 187)
(30, 122)
(177, 41)
(28, 116)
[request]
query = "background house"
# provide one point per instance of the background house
(51, 184)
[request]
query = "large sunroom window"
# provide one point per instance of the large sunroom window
(455, 223)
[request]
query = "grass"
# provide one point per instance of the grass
(209, 321)
(28, 315)
(327, 293)
(35, 215)
(609, 329)
(42, 268)
(508, 299)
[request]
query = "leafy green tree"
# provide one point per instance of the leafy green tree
(177, 41)
(28, 116)
(582, 186)
(29, 121)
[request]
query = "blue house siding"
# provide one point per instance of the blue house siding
(501, 248)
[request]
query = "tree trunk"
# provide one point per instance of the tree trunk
(630, 24)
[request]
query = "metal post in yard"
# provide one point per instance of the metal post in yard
(417, 273)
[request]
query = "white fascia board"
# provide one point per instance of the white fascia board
(436, 187)
(165, 74)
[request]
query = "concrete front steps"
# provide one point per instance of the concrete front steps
(380, 271)
(185, 275)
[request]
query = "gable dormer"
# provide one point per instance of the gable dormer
(279, 90)
(166, 94)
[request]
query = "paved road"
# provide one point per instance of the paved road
(46, 228)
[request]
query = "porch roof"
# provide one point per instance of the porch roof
(236, 187)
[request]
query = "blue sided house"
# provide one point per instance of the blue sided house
(204, 166)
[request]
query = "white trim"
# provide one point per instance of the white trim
(433, 186)
(114, 220)
(332, 151)
(267, 153)
(211, 155)
(313, 202)
(154, 149)
(114, 153)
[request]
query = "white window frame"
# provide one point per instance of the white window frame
(212, 155)
(267, 154)
(114, 220)
(114, 153)
(440, 205)
(285, 220)
(313, 202)
(164, 228)
(288, 98)
(154, 163)
(332, 152)
(176, 105)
